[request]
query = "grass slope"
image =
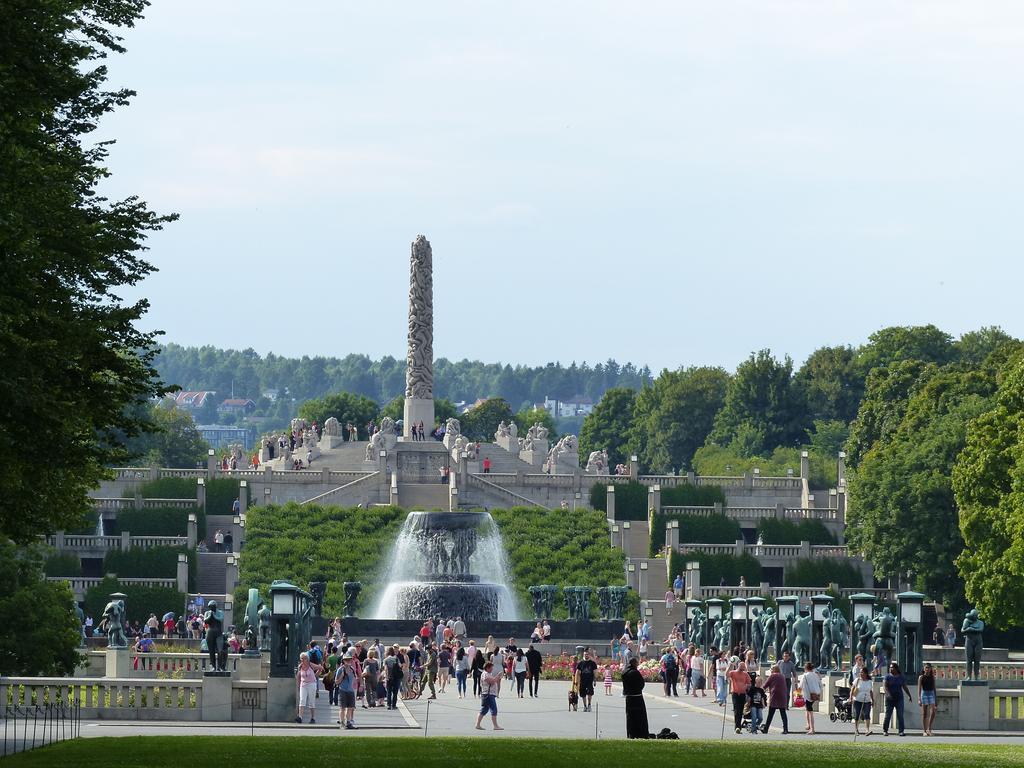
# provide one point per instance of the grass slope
(310, 752)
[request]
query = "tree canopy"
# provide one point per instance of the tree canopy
(73, 360)
(174, 441)
(607, 427)
(346, 407)
(481, 422)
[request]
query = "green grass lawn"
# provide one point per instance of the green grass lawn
(280, 752)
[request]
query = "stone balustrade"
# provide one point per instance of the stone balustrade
(115, 504)
(110, 698)
(804, 593)
(104, 543)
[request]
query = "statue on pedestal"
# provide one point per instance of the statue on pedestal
(757, 641)
(252, 621)
(548, 604)
(352, 589)
(885, 634)
(972, 630)
(617, 604)
(723, 634)
(114, 615)
(768, 620)
(697, 628)
(801, 644)
(864, 629)
(840, 634)
(597, 463)
(215, 644)
(318, 589)
(264, 617)
(537, 595)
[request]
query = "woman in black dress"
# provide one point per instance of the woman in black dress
(636, 710)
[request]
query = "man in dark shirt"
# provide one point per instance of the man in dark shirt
(534, 663)
(895, 685)
(587, 670)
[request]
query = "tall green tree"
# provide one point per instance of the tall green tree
(763, 409)
(42, 632)
(73, 360)
(672, 418)
(174, 442)
(901, 343)
(902, 514)
(988, 484)
(830, 384)
(480, 423)
(443, 410)
(608, 426)
(527, 417)
(346, 407)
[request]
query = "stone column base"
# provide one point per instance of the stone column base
(216, 697)
(281, 693)
(418, 409)
(118, 663)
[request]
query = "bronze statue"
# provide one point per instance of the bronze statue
(215, 644)
(864, 628)
(252, 620)
(801, 640)
(885, 634)
(352, 590)
(264, 614)
(768, 620)
(757, 641)
(972, 630)
(114, 615)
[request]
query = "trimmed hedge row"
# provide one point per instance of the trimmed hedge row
(161, 521)
(773, 531)
(822, 571)
(695, 529)
(221, 492)
(631, 499)
(714, 567)
(140, 601)
(156, 562)
(62, 564)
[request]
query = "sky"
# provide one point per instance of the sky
(669, 183)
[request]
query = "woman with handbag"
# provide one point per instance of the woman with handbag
(810, 685)
(862, 697)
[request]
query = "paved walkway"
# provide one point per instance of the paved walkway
(547, 716)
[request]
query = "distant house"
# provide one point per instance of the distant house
(578, 405)
(221, 436)
(239, 405)
(193, 401)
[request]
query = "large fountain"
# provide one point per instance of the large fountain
(448, 564)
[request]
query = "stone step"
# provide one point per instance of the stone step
(211, 572)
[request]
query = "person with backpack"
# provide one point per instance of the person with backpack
(316, 658)
(393, 674)
(347, 681)
(670, 672)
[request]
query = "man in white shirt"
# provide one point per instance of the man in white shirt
(459, 628)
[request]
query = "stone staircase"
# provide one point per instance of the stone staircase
(423, 496)
(495, 495)
(655, 583)
(211, 573)
(502, 461)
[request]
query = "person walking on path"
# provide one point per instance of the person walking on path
(305, 678)
(739, 681)
(393, 677)
(461, 671)
(534, 665)
(862, 697)
(810, 687)
(476, 668)
(670, 599)
(670, 672)
(430, 672)
(490, 682)
(788, 671)
(677, 585)
(778, 699)
(926, 698)
(347, 681)
(636, 710)
(587, 671)
(895, 685)
(721, 678)
(756, 698)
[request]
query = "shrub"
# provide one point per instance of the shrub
(822, 571)
(140, 601)
(156, 562)
(306, 543)
(630, 500)
(62, 564)
(686, 495)
(161, 521)
(696, 529)
(714, 567)
(774, 531)
(165, 488)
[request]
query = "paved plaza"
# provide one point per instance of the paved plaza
(544, 717)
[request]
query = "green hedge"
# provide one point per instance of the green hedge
(62, 564)
(560, 547)
(161, 521)
(156, 563)
(822, 571)
(88, 526)
(773, 531)
(221, 492)
(304, 543)
(630, 500)
(686, 495)
(140, 602)
(714, 567)
(696, 529)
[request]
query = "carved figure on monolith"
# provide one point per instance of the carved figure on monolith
(617, 595)
(583, 603)
(972, 630)
(214, 621)
(419, 370)
(569, 597)
(604, 602)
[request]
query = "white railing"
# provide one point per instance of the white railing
(324, 498)
(109, 698)
(115, 504)
(114, 542)
(80, 584)
(186, 664)
(766, 551)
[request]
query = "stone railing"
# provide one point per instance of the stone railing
(505, 493)
(76, 542)
(193, 473)
(767, 551)
(110, 698)
(827, 515)
(804, 593)
(326, 498)
(161, 664)
(758, 513)
(114, 504)
(80, 584)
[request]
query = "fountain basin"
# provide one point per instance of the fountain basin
(472, 601)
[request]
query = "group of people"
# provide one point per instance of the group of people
(370, 673)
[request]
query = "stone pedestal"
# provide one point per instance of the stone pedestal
(509, 443)
(537, 455)
(974, 705)
(830, 683)
(418, 409)
(281, 692)
(118, 663)
(250, 666)
(217, 696)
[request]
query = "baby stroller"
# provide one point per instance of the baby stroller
(841, 700)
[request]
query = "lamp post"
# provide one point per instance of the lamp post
(738, 612)
(291, 608)
(910, 607)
